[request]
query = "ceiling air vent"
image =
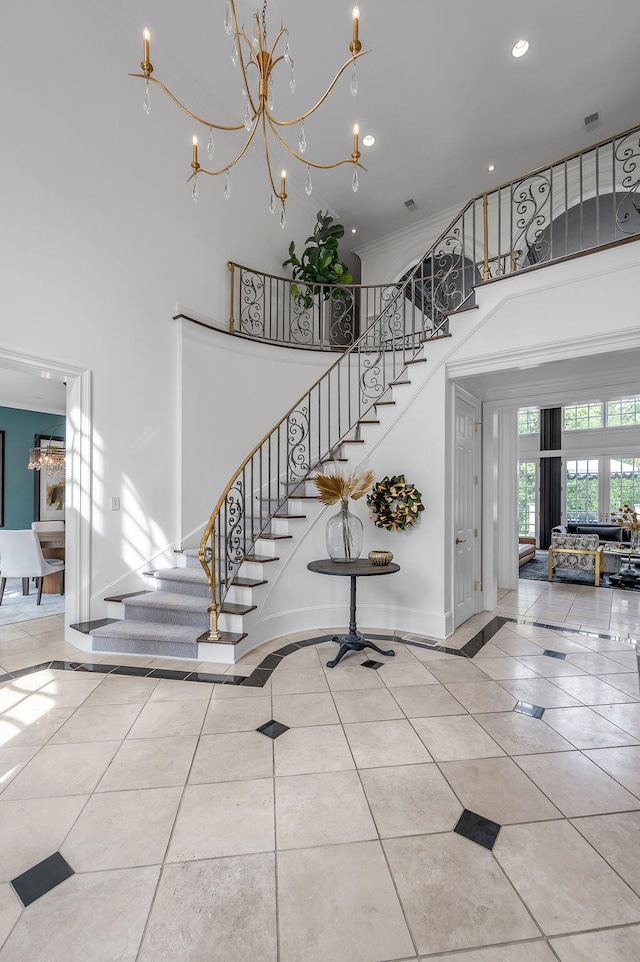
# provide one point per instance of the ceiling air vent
(592, 121)
(411, 204)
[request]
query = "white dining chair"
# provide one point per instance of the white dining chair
(21, 557)
(47, 525)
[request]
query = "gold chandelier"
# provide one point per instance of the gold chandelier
(259, 102)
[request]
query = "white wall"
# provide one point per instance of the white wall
(99, 242)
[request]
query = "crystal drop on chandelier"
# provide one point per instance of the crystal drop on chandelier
(227, 19)
(210, 146)
(227, 187)
(287, 49)
(308, 186)
(283, 218)
(247, 118)
(235, 56)
(354, 181)
(302, 143)
(354, 82)
(194, 190)
(147, 100)
(272, 204)
(255, 39)
(292, 81)
(270, 100)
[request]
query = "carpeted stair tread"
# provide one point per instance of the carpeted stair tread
(149, 631)
(170, 599)
(191, 576)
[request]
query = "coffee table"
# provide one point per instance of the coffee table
(619, 562)
(353, 641)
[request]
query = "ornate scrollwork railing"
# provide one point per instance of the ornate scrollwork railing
(584, 201)
(312, 429)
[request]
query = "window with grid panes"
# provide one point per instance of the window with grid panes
(580, 416)
(528, 421)
(623, 411)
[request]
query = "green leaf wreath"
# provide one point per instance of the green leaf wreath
(394, 503)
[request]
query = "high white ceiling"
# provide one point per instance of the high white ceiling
(440, 90)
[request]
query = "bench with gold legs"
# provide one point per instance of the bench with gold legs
(582, 552)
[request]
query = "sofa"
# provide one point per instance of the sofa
(526, 550)
(605, 532)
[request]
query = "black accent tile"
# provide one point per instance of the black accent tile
(4, 678)
(30, 671)
(168, 673)
(312, 641)
(99, 669)
(526, 709)
(273, 729)
(205, 676)
(257, 679)
(372, 664)
(131, 670)
(234, 679)
(270, 662)
(63, 665)
(477, 829)
(37, 881)
(477, 643)
(288, 649)
(554, 654)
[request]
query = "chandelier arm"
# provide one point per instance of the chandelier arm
(266, 152)
(253, 63)
(215, 173)
(297, 120)
(200, 120)
(309, 163)
(275, 43)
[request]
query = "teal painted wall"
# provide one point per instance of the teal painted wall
(20, 428)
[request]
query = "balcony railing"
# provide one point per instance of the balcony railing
(582, 202)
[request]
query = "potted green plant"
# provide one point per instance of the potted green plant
(320, 262)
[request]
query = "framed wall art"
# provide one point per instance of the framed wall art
(49, 494)
(1, 479)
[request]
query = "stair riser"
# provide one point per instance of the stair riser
(168, 616)
(146, 647)
(234, 623)
(239, 596)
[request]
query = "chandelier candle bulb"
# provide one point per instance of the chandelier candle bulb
(283, 186)
(356, 131)
(195, 152)
(355, 46)
(146, 37)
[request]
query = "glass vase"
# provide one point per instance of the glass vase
(344, 535)
(634, 540)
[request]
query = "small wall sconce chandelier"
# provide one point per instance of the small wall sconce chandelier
(255, 53)
(52, 459)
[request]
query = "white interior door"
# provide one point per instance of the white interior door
(466, 512)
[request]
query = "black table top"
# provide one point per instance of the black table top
(357, 568)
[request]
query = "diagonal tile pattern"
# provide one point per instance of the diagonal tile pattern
(194, 836)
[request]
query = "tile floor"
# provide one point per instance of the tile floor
(408, 812)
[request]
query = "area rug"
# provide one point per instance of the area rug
(538, 570)
(16, 607)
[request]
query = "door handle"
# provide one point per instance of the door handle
(461, 540)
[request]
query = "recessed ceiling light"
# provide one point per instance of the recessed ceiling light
(491, 167)
(520, 48)
(36, 397)
(354, 230)
(368, 140)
